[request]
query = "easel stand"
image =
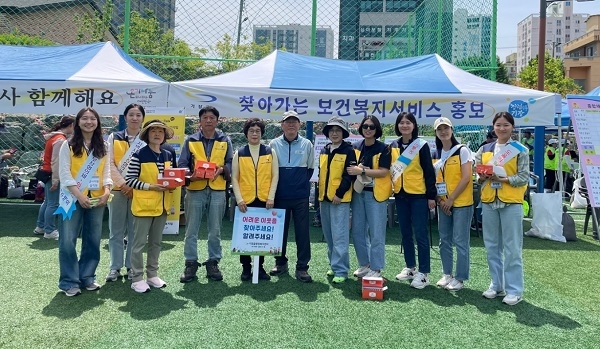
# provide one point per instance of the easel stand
(255, 267)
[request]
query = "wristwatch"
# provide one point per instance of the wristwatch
(364, 172)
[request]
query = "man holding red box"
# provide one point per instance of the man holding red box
(205, 194)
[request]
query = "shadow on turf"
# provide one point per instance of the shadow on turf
(211, 294)
(525, 313)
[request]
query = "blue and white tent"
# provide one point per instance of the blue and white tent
(64, 79)
(319, 88)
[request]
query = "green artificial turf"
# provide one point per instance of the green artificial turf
(560, 307)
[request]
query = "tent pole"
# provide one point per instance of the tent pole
(539, 146)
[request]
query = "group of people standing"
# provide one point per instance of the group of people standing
(362, 178)
(122, 173)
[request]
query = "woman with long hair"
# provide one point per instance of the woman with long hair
(121, 146)
(502, 195)
(373, 187)
(454, 169)
(85, 190)
(413, 179)
(54, 139)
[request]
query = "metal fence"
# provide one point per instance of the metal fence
(188, 39)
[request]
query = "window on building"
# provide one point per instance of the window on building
(371, 6)
(590, 51)
(400, 5)
(558, 31)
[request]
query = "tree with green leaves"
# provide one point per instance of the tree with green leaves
(18, 39)
(146, 37)
(94, 27)
(231, 52)
(555, 79)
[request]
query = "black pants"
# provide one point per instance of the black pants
(298, 208)
(549, 179)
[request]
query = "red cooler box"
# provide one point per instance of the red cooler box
(372, 288)
(205, 169)
(175, 173)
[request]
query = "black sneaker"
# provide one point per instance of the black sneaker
(189, 273)
(262, 274)
(212, 270)
(246, 273)
(316, 223)
(303, 276)
(279, 269)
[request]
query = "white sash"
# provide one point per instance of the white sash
(406, 157)
(126, 159)
(86, 172)
(442, 161)
(511, 150)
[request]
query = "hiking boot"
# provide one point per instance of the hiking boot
(279, 269)
(246, 273)
(189, 273)
(212, 270)
(262, 274)
(303, 276)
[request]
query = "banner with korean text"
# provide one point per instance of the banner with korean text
(258, 231)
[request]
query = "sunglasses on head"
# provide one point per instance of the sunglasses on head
(370, 127)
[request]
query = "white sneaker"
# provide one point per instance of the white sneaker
(444, 281)
(140, 286)
(511, 299)
(373, 274)
(52, 236)
(406, 274)
(156, 282)
(38, 231)
(362, 271)
(454, 285)
(420, 281)
(490, 293)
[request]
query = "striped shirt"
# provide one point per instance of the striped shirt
(134, 169)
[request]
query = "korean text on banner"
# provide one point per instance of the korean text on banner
(258, 231)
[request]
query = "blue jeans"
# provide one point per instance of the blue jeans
(335, 220)
(369, 218)
(46, 214)
(503, 240)
(455, 232)
(120, 224)
(196, 203)
(413, 215)
(80, 272)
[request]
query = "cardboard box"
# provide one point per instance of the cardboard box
(485, 169)
(175, 173)
(171, 183)
(205, 170)
(372, 288)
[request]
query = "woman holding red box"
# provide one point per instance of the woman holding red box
(150, 205)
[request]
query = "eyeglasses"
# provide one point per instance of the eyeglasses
(370, 127)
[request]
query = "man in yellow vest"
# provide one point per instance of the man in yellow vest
(205, 195)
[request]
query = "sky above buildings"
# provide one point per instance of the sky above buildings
(511, 12)
(202, 26)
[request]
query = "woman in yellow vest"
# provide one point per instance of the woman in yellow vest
(120, 220)
(415, 195)
(85, 189)
(550, 164)
(454, 169)
(335, 193)
(373, 188)
(502, 199)
(254, 177)
(151, 204)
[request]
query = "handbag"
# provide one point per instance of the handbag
(43, 176)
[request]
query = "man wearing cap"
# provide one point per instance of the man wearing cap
(295, 155)
(550, 164)
(205, 195)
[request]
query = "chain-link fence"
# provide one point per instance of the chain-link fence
(188, 39)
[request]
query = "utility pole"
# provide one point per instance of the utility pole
(239, 28)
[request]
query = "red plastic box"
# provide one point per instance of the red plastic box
(206, 170)
(175, 173)
(372, 288)
(485, 169)
(171, 183)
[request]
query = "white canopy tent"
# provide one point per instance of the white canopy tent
(319, 88)
(64, 79)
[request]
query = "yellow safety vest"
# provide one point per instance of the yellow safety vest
(255, 181)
